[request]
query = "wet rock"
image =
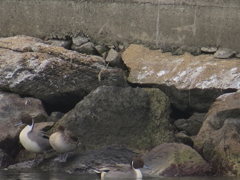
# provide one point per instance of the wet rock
(5, 159)
(24, 165)
(87, 48)
(218, 138)
(191, 82)
(209, 49)
(84, 162)
(114, 59)
(191, 125)
(173, 159)
(61, 43)
(55, 116)
(224, 53)
(134, 117)
(53, 74)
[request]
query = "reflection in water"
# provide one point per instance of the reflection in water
(53, 175)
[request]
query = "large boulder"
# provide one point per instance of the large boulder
(191, 82)
(57, 76)
(218, 138)
(133, 117)
(174, 159)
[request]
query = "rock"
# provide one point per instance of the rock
(237, 55)
(55, 116)
(87, 48)
(132, 117)
(24, 165)
(224, 53)
(181, 50)
(218, 138)
(79, 40)
(191, 125)
(209, 49)
(114, 59)
(101, 49)
(191, 82)
(61, 43)
(184, 138)
(5, 159)
(173, 159)
(57, 76)
(84, 162)
(12, 106)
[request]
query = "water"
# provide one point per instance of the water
(53, 175)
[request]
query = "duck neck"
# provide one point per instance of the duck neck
(137, 171)
(32, 126)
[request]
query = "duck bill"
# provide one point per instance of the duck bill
(146, 167)
(18, 124)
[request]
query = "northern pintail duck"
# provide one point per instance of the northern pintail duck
(133, 172)
(63, 141)
(33, 140)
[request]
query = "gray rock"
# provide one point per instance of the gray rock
(114, 59)
(224, 53)
(237, 55)
(184, 138)
(87, 48)
(84, 162)
(53, 74)
(55, 116)
(181, 50)
(61, 43)
(78, 41)
(218, 139)
(191, 125)
(134, 117)
(209, 49)
(175, 159)
(101, 49)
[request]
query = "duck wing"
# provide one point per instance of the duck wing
(41, 138)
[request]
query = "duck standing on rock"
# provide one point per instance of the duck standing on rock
(133, 172)
(63, 141)
(33, 140)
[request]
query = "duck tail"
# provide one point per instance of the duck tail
(98, 173)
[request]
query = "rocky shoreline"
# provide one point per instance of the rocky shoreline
(177, 110)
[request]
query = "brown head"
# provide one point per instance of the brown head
(137, 162)
(26, 119)
(61, 128)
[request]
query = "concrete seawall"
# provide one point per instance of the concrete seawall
(154, 23)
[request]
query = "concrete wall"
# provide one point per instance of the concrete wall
(155, 23)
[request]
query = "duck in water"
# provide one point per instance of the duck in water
(132, 172)
(63, 141)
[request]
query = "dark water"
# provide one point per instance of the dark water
(48, 175)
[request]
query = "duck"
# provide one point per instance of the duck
(63, 141)
(132, 172)
(36, 141)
